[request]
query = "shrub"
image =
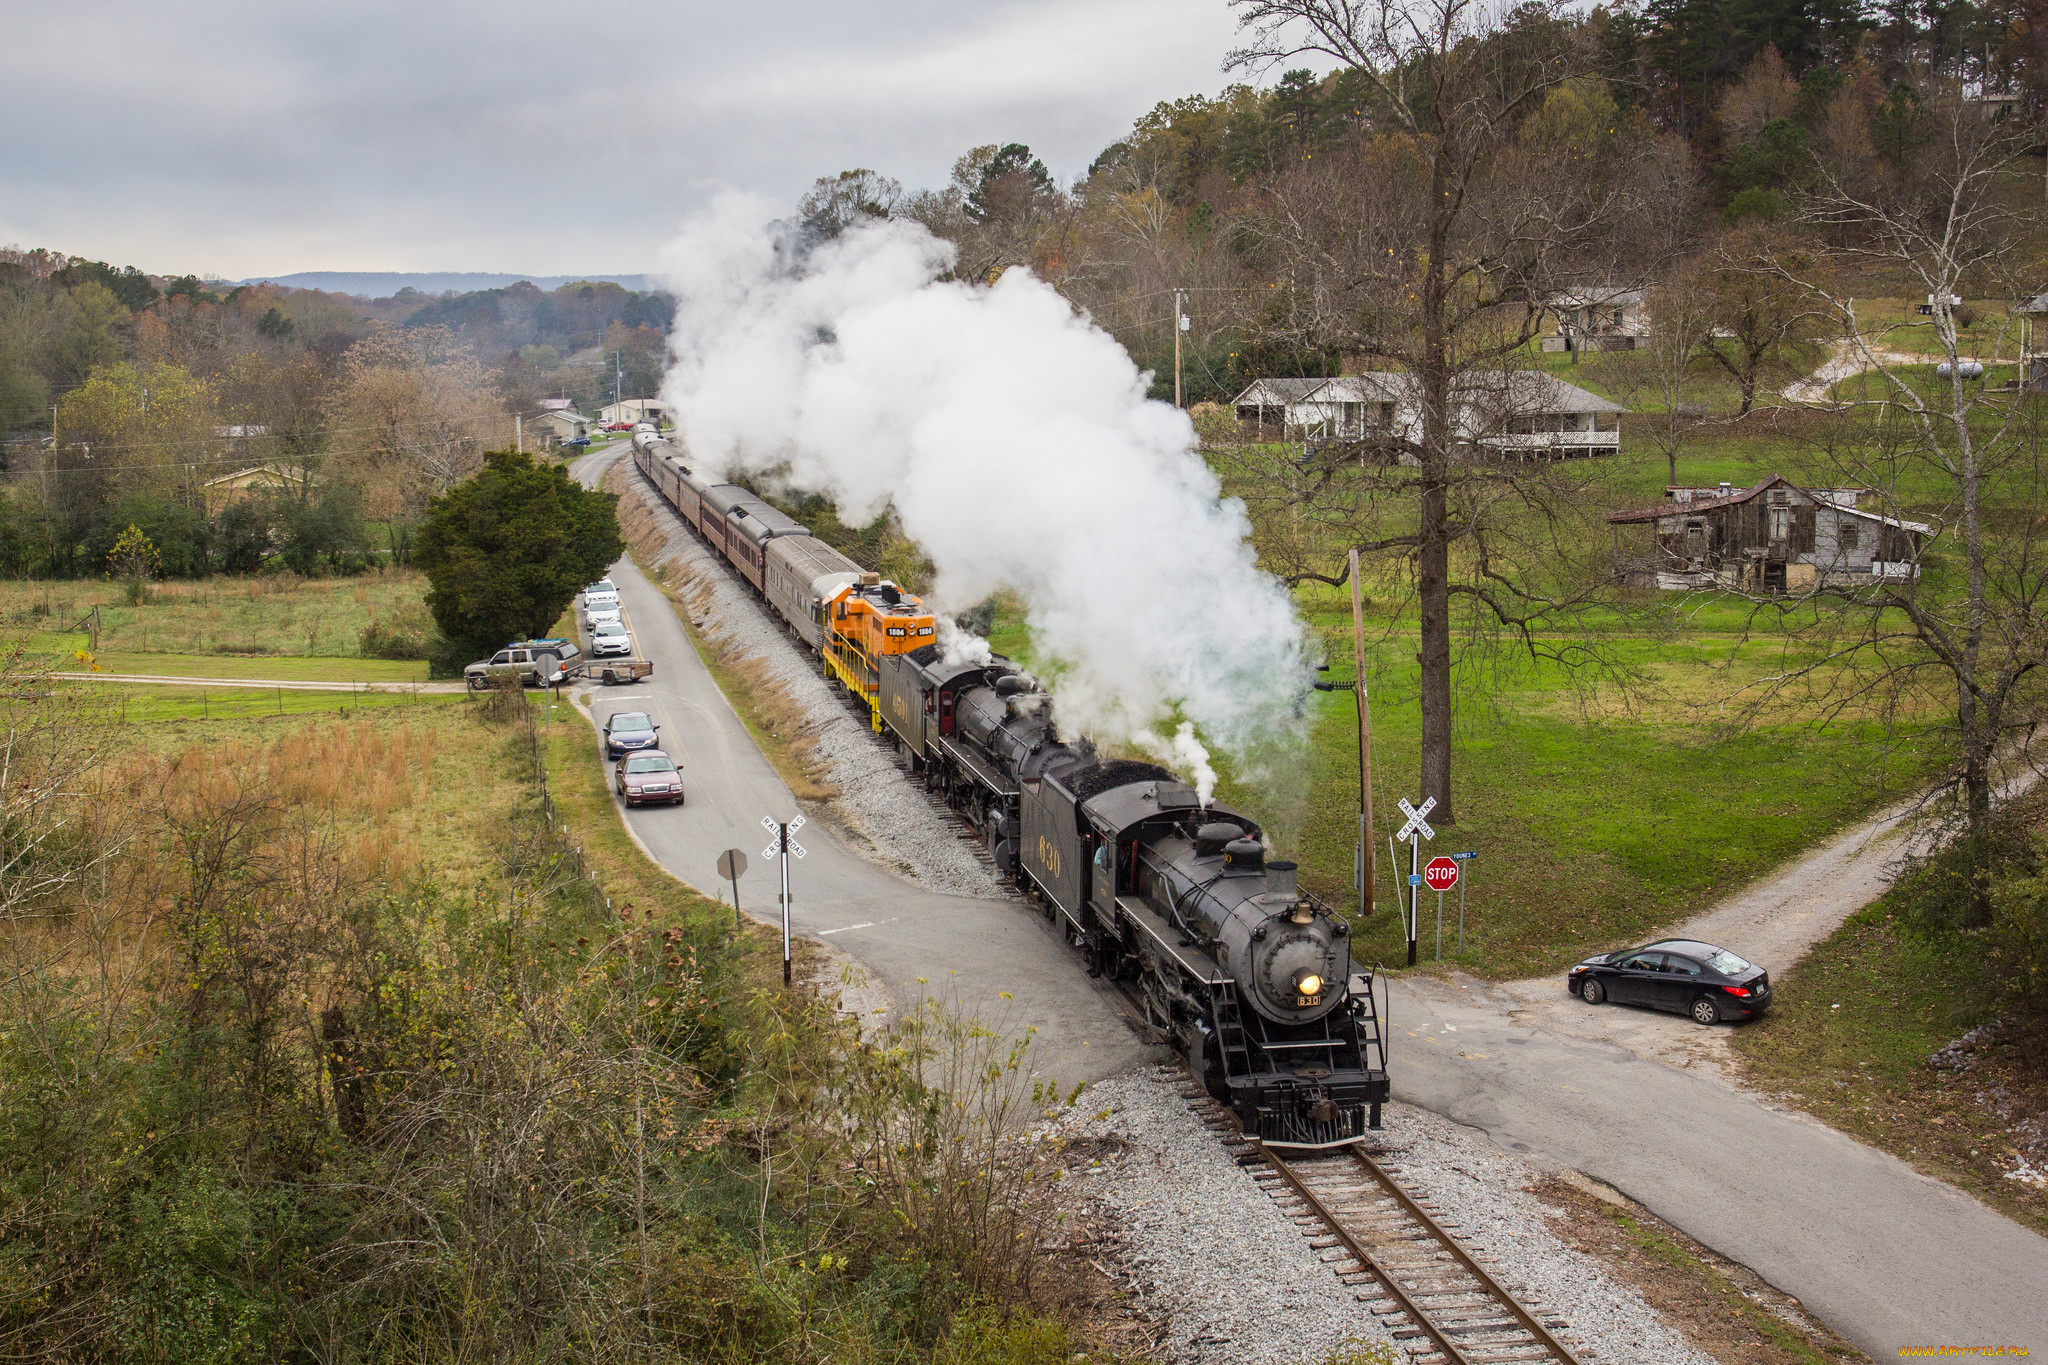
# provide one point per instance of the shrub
(2017, 946)
(447, 658)
(407, 636)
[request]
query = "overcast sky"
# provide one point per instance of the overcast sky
(247, 137)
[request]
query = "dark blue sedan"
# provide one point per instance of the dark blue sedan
(628, 732)
(1677, 974)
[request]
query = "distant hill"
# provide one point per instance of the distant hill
(371, 284)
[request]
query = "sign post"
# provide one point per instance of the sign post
(731, 864)
(783, 848)
(1441, 875)
(1415, 831)
(1462, 857)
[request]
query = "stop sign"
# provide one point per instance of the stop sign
(1441, 874)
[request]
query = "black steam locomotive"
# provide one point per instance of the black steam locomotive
(1249, 977)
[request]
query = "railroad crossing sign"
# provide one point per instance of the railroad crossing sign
(774, 849)
(782, 846)
(1416, 824)
(1441, 874)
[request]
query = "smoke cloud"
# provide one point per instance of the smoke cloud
(1016, 443)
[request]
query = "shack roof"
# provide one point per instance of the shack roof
(1698, 505)
(1266, 392)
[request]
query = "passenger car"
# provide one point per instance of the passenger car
(610, 637)
(649, 775)
(629, 732)
(1676, 974)
(595, 616)
(601, 585)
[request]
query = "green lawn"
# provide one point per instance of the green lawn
(141, 703)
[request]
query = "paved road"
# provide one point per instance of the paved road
(977, 949)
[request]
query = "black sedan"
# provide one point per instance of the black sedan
(1676, 974)
(627, 732)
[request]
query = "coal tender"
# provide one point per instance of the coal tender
(1248, 976)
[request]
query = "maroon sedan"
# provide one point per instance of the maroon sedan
(649, 775)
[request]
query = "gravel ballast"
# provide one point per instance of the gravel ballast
(1207, 1251)
(896, 826)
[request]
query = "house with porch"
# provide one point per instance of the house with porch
(1773, 538)
(1598, 319)
(1511, 414)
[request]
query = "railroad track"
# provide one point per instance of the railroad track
(1433, 1295)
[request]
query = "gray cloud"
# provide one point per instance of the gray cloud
(241, 138)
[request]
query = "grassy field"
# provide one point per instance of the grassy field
(284, 667)
(268, 615)
(1850, 1040)
(143, 704)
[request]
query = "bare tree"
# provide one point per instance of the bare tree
(1429, 247)
(1657, 377)
(1758, 311)
(1960, 614)
(413, 413)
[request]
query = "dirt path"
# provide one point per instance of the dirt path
(266, 684)
(1845, 360)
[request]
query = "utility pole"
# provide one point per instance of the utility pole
(1364, 862)
(518, 433)
(1180, 324)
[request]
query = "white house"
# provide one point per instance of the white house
(633, 410)
(1599, 319)
(1526, 413)
(1266, 404)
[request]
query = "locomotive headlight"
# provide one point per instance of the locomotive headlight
(1308, 983)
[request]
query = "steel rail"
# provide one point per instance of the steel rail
(1493, 1287)
(1365, 1258)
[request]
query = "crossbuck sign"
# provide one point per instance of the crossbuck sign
(1416, 824)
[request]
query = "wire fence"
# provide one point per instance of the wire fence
(569, 851)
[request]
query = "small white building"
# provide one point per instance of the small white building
(1523, 413)
(1611, 319)
(633, 410)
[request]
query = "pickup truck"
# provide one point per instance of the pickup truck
(536, 663)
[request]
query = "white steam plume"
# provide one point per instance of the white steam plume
(1018, 447)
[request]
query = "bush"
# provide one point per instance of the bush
(447, 658)
(2017, 944)
(409, 635)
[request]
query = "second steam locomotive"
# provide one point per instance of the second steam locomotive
(1251, 978)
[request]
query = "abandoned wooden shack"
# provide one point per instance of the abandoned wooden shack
(1773, 538)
